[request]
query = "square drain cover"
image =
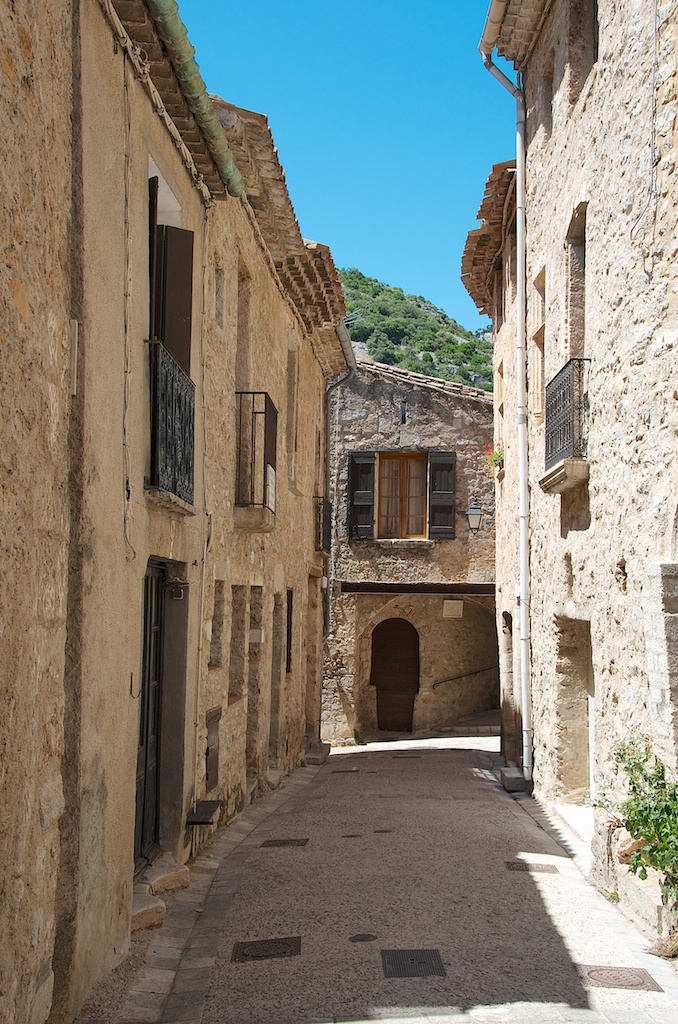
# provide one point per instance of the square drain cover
(285, 842)
(266, 949)
(522, 865)
(411, 963)
(619, 977)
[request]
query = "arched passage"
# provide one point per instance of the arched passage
(395, 673)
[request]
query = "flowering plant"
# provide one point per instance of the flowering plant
(494, 457)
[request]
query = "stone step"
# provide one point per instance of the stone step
(147, 910)
(164, 875)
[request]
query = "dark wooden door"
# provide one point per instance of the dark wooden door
(146, 822)
(395, 673)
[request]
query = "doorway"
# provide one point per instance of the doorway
(150, 702)
(395, 673)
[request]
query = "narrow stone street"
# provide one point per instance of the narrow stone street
(399, 882)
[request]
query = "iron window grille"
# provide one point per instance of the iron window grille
(172, 425)
(256, 439)
(323, 524)
(566, 400)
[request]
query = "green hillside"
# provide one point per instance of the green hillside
(410, 332)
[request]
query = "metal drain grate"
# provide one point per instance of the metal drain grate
(285, 842)
(412, 963)
(522, 865)
(266, 949)
(618, 977)
(363, 937)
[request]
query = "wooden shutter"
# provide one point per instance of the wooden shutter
(361, 495)
(153, 257)
(174, 292)
(441, 499)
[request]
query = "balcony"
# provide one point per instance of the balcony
(256, 441)
(172, 425)
(566, 402)
(323, 524)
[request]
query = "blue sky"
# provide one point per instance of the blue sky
(385, 120)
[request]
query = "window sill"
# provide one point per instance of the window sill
(565, 475)
(253, 518)
(166, 499)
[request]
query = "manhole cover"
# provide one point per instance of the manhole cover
(522, 865)
(266, 949)
(411, 963)
(285, 842)
(619, 977)
(406, 757)
(353, 835)
(363, 937)
(383, 831)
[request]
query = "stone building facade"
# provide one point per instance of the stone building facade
(411, 645)
(166, 325)
(600, 87)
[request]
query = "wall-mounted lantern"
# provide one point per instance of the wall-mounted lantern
(474, 516)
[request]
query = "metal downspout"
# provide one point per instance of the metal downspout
(487, 43)
(165, 14)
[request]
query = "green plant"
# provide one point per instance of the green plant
(650, 813)
(611, 896)
(494, 457)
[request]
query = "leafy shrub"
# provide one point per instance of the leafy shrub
(650, 813)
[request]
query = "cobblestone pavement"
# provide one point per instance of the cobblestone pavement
(424, 893)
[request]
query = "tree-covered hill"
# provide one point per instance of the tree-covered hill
(408, 331)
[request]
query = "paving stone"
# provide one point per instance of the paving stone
(192, 980)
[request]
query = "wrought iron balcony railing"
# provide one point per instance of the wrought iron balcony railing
(566, 413)
(323, 524)
(172, 425)
(256, 438)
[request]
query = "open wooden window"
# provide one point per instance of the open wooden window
(402, 495)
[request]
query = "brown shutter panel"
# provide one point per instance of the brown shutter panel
(361, 495)
(441, 498)
(153, 257)
(174, 292)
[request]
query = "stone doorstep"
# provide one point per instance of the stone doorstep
(148, 911)
(165, 874)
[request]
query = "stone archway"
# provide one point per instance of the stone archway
(395, 673)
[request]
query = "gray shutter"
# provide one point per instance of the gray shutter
(174, 292)
(361, 495)
(441, 500)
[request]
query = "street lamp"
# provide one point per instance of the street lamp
(474, 516)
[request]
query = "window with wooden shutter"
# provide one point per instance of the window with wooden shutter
(441, 495)
(361, 495)
(402, 495)
(171, 283)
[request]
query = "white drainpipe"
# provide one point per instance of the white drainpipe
(493, 23)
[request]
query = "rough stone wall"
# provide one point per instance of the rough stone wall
(35, 183)
(600, 551)
(365, 415)
(259, 345)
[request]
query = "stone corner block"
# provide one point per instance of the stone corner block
(513, 780)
